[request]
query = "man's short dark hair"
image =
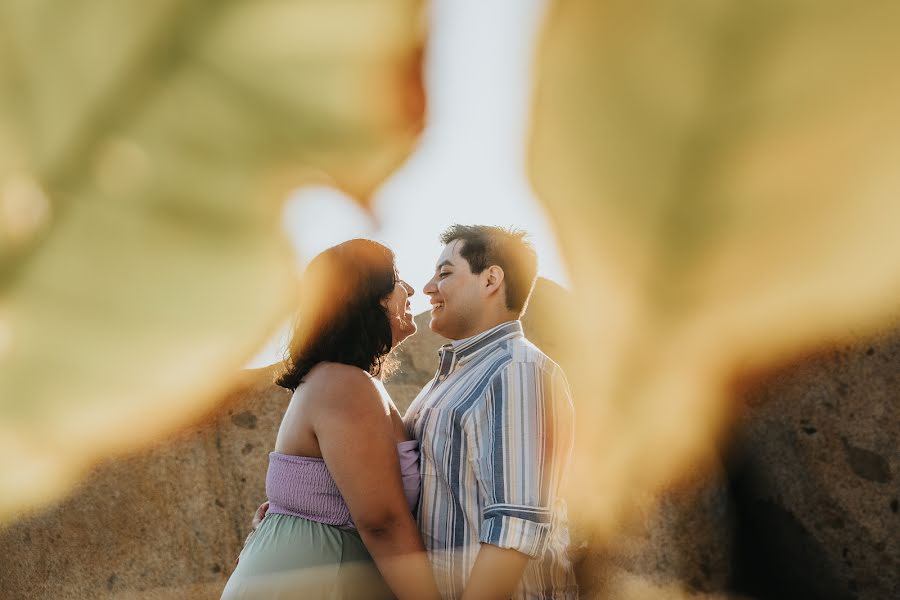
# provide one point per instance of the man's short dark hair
(508, 248)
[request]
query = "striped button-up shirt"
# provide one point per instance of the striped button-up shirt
(495, 431)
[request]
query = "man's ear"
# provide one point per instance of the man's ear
(493, 281)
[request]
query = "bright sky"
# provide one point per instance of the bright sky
(470, 165)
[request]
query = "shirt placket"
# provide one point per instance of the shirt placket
(444, 367)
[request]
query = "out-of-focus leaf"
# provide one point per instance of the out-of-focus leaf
(145, 149)
(723, 177)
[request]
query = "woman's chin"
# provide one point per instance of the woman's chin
(406, 333)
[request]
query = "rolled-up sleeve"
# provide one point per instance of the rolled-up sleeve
(523, 435)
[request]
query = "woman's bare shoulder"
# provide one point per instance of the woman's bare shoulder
(333, 373)
(336, 386)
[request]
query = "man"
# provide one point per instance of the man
(495, 429)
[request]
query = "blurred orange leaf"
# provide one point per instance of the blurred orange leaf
(723, 177)
(145, 150)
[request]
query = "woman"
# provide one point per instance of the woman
(344, 474)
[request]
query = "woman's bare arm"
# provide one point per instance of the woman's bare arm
(353, 426)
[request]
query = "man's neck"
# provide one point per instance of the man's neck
(486, 326)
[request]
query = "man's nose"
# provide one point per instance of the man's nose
(429, 288)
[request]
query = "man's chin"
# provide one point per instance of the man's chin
(435, 326)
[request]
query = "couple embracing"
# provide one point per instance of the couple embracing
(459, 498)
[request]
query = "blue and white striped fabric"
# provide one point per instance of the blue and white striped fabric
(495, 432)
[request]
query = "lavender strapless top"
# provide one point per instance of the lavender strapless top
(301, 486)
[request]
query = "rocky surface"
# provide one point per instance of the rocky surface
(815, 476)
(167, 522)
(677, 545)
(816, 473)
(163, 523)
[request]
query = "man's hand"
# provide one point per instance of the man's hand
(258, 516)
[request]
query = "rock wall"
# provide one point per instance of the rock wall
(677, 545)
(816, 475)
(814, 501)
(167, 522)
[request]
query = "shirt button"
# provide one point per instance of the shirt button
(442, 377)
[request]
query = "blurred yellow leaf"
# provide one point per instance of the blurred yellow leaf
(145, 150)
(723, 176)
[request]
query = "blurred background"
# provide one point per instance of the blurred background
(711, 186)
(478, 78)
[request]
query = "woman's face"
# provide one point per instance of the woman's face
(399, 312)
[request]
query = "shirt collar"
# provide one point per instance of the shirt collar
(466, 349)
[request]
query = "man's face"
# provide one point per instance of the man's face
(457, 301)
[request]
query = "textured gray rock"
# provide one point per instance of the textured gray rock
(677, 545)
(817, 494)
(163, 523)
(817, 475)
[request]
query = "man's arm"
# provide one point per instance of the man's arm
(524, 434)
(496, 573)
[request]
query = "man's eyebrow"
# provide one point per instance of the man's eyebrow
(446, 263)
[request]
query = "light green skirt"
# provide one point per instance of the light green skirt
(291, 557)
